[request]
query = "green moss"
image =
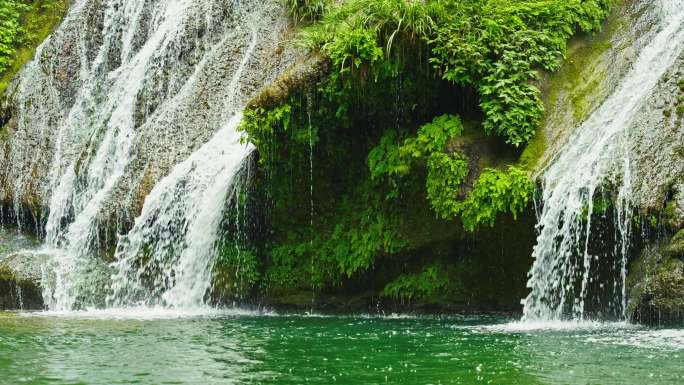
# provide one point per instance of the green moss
(6, 274)
(681, 85)
(667, 113)
(656, 291)
(577, 76)
(576, 81)
(655, 283)
(680, 110)
(37, 20)
(529, 159)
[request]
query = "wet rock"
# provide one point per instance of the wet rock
(20, 281)
(592, 70)
(656, 287)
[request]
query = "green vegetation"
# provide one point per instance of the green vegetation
(307, 10)
(12, 32)
(496, 192)
(446, 170)
(24, 25)
(355, 163)
(494, 46)
(424, 286)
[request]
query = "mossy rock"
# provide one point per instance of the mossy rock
(656, 287)
(676, 246)
(304, 73)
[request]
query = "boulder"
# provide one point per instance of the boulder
(656, 287)
(20, 281)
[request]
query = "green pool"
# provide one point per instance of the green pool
(162, 347)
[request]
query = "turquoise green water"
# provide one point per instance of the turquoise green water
(265, 349)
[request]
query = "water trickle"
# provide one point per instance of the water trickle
(596, 155)
(311, 202)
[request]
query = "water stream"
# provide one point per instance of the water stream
(595, 157)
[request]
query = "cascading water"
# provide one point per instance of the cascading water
(177, 232)
(178, 228)
(595, 156)
(118, 95)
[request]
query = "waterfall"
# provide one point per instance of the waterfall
(595, 156)
(126, 98)
(178, 228)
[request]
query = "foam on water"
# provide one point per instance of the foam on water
(142, 313)
(667, 339)
(558, 325)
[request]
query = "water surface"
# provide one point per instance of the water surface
(162, 347)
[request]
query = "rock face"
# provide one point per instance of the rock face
(658, 147)
(657, 158)
(591, 71)
(656, 285)
(20, 273)
(122, 94)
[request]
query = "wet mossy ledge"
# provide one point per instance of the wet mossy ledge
(389, 167)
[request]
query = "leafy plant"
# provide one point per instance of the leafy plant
(445, 170)
(345, 157)
(23, 25)
(446, 173)
(236, 271)
(12, 32)
(307, 10)
(496, 192)
(495, 46)
(429, 283)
